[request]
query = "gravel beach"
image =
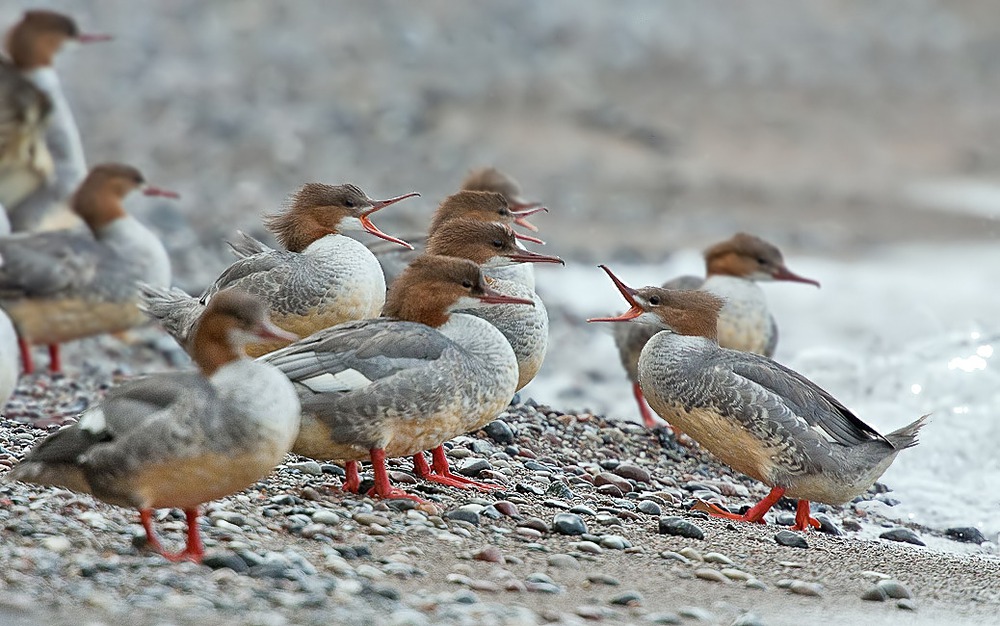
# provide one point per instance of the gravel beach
(830, 128)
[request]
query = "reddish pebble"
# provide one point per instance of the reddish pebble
(507, 508)
(489, 553)
(607, 478)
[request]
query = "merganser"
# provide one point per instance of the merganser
(41, 155)
(179, 439)
(465, 204)
(494, 246)
(406, 382)
(755, 415)
(8, 356)
(321, 279)
(64, 285)
(733, 268)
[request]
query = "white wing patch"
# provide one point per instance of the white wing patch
(93, 421)
(347, 380)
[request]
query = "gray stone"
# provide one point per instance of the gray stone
(500, 432)
(307, 467)
(568, 524)
(790, 539)
(472, 467)
(649, 507)
(966, 534)
(627, 598)
(894, 589)
(904, 535)
(680, 527)
(874, 594)
(748, 619)
(563, 561)
(464, 515)
(803, 588)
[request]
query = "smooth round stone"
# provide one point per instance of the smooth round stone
(874, 594)
(231, 561)
(563, 561)
(507, 508)
(668, 619)
(490, 554)
(753, 583)
(307, 467)
(603, 579)
(826, 525)
(556, 504)
(472, 467)
(607, 478)
(966, 534)
(627, 598)
(906, 604)
(690, 553)
(539, 577)
(609, 464)
(735, 574)
(612, 491)
(323, 516)
(674, 556)
(568, 524)
(715, 576)
(560, 490)
(57, 544)
(784, 519)
(852, 525)
(536, 523)
(803, 588)
(367, 519)
(748, 619)
(904, 535)
(894, 589)
(717, 557)
(680, 527)
(588, 547)
(632, 472)
(500, 432)
(582, 510)
(463, 515)
(790, 539)
(333, 470)
(649, 507)
(528, 533)
(614, 542)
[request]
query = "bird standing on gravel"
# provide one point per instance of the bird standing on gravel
(755, 415)
(407, 382)
(41, 155)
(65, 285)
(321, 279)
(183, 438)
(732, 270)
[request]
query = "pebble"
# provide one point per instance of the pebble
(563, 561)
(627, 598)
(323, 516)
(500, 432)
(747, 619)
(692, 554)
(367, 519)
(670, 554)
(463, 515)
(490, 554)
(536, 523)
(966, 534)
(680, 527)
(806, 589)
(588, 547)
(603, 579)
(906, 605)
(568, 524)
(696, 613)
(894, 589)
(904, 535)
(735, 574)
(507, 508)
(615, 542)
(307, 467)
(706, 573)
(583, 510)
(664, 618)
(472, 467)
(607, 478)
(874, 594)
(715, 557)
(649, 507)
(826, 525)
(790, 539)
(632, 472)
(611, 491)
(57, 544)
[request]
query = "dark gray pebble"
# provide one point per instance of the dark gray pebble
(680, 527)
(560, 490)
(332, 469)
(472, 467)
(568, 524)
(528, 488)
(790, 539)
(232, 561)
(627, 598)
(904, 535)
(874, 594)
(500, 432)
(894, 589)
(966, 534)
(466, 516)
(649, 507)
(826, 525)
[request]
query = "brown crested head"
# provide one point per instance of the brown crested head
(484, 206)
(98, 199)
(694, 313)
(37, 38)
(492, 179)
(232, 319)
(750, 257)
(317, 210)
(433, 286)
(490, 244)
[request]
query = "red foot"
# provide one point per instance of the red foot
(441, 472)
(29, 365)
(648, 419)
(755, 514)
(383, 488)
(803, 521)
(193, 551)
(55, 364)
(352, 482)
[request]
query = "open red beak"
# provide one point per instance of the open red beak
(527, 256)
(529, 238)
(267, 330)
(150, 190)
(492, 296)
(629, 294)
(92, 38)
(522, 210)
(783, 273)
(377, 205)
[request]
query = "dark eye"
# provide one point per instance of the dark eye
(762, 260)
(654, 300)
(350, 204)
(467, 284)
(497, 243)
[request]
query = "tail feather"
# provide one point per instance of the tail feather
(247, 246)
(906, 437)
(50, 474)
(176, 311)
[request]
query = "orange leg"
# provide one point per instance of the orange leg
(383, 488)
(803, 521)
(55, 364)
(755, 514)
(441, 473)
(193, 551)
(352, 481)
(29, 365)
(647, 415)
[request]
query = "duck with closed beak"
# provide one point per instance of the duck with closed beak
(64, 285)
(180, 439)
(406, 382)
(733, 268)
(322, 278)
(41, 155)
(755, 415)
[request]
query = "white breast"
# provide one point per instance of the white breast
(9, 362)
(140, 247)
(745, 320)
(263, 395)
